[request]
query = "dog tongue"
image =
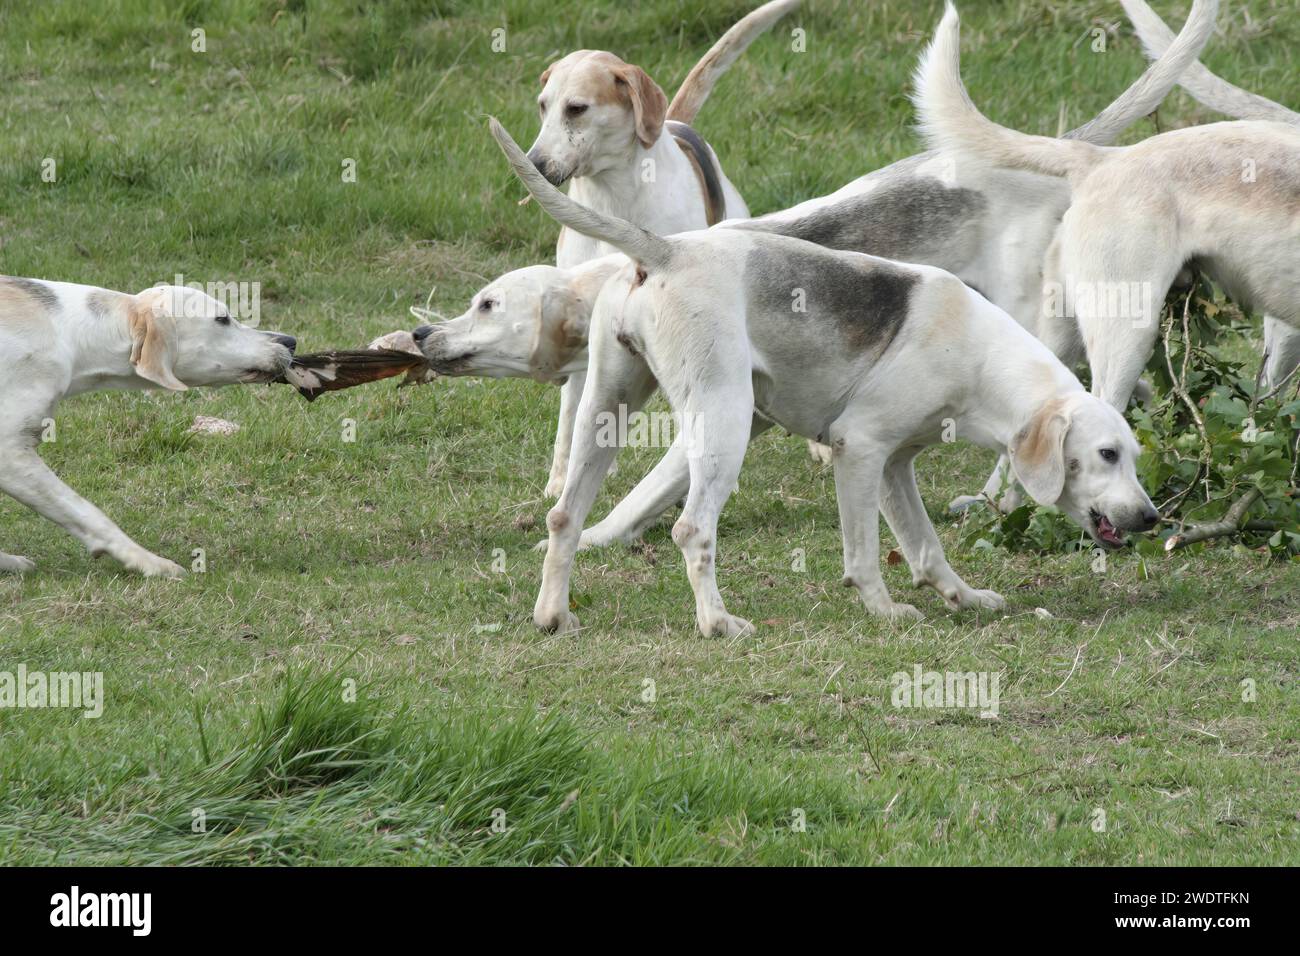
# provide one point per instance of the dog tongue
(1108, 531)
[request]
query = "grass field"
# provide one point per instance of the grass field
(355, 678)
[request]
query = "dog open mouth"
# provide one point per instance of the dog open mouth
(1104, 531)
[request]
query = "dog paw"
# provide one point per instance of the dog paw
(896, 611)
(961, 503)
(554, 487)
(725, 625)
(819, 453)
(152, 566)
(13, 564)
(561, 623)
(970, 598)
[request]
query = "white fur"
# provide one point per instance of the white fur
(67, 339)
(685, 317)
(653, 185)
(1141, 213)
(1281, 341)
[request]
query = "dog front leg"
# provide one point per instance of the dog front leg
(905, 512)
(24, 476)
(570, 398)
(859, 465)
(1282, 343)
(626, 381)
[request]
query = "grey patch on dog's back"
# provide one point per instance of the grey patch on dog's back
(103, 304)
(867, 300)
(36, 290)
(916, 219)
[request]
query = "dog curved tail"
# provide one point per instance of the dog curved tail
(699, 83)
(949, 120)
(638, 244)
(1206, 87)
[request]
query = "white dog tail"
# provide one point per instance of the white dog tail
(639, 245)
(1151, 88)
(949, 120)
(1216, 93)
(700, 81)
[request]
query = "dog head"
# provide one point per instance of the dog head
(183, 338)
(1079, 454)
(594, 107)
(529, 323)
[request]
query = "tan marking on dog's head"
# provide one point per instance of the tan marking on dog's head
(1038, 451)
(153, 339)
(601, 78)
(561, 332)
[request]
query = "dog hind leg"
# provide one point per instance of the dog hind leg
(658, 491)
(26, 478)
(715, 438)
(13, 564)
(619, 379)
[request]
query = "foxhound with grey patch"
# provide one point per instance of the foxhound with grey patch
(1223, 198)
(58, 339)
(989, 226)
(1281, 341)
(609, 130)
(880, 356)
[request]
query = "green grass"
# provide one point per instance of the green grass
(373, 561)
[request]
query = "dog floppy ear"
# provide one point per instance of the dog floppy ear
(153, 339)
(562, 324)
(649, 104)
(1038, 453)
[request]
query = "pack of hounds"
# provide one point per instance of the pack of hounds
(923, 288)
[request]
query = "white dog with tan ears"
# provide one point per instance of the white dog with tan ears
(58, 339)
(608, 128)
(1223, 198)
(988, 226)
(884, 354)
(1281, 341)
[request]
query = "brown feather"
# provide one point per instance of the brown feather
(321, 372)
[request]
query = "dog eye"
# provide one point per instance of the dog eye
(223, 320)
(485, 305)
(1109, 455)
(575, 109)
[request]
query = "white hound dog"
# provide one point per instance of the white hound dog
(1224, 198)
(608, 128)
(884, 353)
(1281, 341)
(59, 339)
(989, 226)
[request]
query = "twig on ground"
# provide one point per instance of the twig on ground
(1232, 523)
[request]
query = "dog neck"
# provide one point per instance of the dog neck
(101, 345)
(1014, 387)
(590, 277)
(632, 187)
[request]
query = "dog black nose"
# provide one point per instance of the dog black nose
(537, 159)
(1150, 518)
(421, 333)
(288, 341)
